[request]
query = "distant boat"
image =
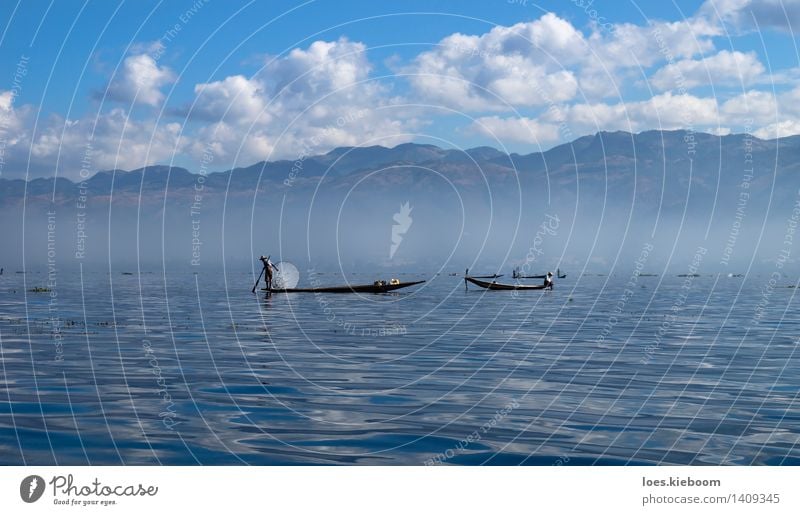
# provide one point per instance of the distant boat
(376, 287)
(517, 275)
(499, 286)
(494, 276)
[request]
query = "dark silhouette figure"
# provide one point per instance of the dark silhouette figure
(548, 281)
(268, 268)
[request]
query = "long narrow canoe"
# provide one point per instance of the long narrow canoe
(350, 288)
(500, 286)
(495, 276)
(520, 276)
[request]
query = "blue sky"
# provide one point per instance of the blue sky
(145, 82)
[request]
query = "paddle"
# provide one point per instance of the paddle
(259, 278)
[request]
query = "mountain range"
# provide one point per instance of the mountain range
(612, 192)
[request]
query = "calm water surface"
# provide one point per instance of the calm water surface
(180, 368)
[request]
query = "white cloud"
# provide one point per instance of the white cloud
(12, 119)
(325, 67)
(517, 129)
(236, 97)
(6, 101)
(759, 106)
(311, 100)
(630, 45)
(723, 68)
(778, 129)
(140, 81)
(548, 59)
(518, 65)
(755, 14)
(766, 114)
(665, 111)
(759, 112)
(109, 140)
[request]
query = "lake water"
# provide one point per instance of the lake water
(179, 368)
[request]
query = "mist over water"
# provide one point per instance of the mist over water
(602, 198)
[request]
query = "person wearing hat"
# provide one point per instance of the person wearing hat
(268, 267)
(548, 281)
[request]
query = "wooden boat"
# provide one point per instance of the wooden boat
(493, 276)
(378, 287)
(517, 275)
(499, 286)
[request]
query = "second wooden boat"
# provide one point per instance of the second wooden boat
(516, 275)
(500, 286)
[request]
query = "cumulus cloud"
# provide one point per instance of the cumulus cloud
(778, 129)
(533, 63)
(557, 75)
(12, 120)
(140, 81)
(517, 129)
(763, 113)
(310, 100)
(758, 106)
(63, 147)
(748, 15)
(235, 97)
(665, 111)
(517, 65)
(721, 69)
(631, 45)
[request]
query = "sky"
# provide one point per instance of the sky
(210, 84)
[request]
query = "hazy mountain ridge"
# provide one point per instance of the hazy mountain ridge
(611, 189)
(610, 155)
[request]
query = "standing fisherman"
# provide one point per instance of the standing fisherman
(548, 281)
(269, 267)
